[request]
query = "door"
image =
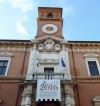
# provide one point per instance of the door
(48, 103)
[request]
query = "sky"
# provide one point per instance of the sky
(81, 18)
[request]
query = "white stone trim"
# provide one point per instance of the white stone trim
(6, 56)
(92, 59)
(54, 30)
(47, 37)
(91, 55)
(9, 59)
(55, 66)
(97, 99)
(86, 50)
(14, 48)
(66, 70)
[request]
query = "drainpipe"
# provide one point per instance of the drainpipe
(75, 76)
(16, 103)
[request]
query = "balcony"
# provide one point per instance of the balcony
(61, 76)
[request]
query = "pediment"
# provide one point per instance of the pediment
(48, 37)
(97, 99)
(5, 54)
(90, 55)
(49, 43)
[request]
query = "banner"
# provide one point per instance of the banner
(48, 89)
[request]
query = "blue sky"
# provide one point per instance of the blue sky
(81, 18)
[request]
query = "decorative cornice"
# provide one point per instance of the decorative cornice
(14, 42)
(5, 54)
(82, 79)
(83, 44)
(47, 37)
(83, 49)
(10, 79)
(90, 55)
(74, 44)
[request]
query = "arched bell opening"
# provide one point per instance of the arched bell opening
(49, 15)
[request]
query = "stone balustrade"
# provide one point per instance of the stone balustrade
(60, 76)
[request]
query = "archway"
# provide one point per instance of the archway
(48, 103)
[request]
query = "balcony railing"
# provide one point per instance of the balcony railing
(60, 76)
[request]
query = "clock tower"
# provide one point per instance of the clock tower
(49, 22)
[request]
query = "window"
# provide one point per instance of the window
(5, 59)
(3, 66)
(49, 15)
(49, 70)
(93, 68)
(92, 64)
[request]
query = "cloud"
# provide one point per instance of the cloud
(68, 10)
(24, 5)
(3, 1)
(25, 18)
(67, 37)
(21, 29)
(22, 18)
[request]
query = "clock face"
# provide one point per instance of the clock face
(49, 28)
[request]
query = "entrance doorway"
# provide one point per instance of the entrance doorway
(48, 103)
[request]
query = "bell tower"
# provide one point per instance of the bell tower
(49, 22)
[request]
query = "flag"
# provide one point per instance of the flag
(62, 62)
(37, 62)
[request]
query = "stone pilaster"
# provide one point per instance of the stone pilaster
(28, 95)
(67, 98)
(23, 97)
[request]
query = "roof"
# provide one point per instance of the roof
(11, 40)
(70, 41)
(84, 41)
(49, 8)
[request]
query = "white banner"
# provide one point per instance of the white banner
(48, 89)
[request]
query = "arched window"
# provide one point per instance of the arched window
(50, 15)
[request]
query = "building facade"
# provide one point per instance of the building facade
(48, 70)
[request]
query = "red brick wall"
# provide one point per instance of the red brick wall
(9, 85)
(8, 93)
(87, 91)
(88, 87)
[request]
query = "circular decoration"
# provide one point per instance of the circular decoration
(49, 28)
